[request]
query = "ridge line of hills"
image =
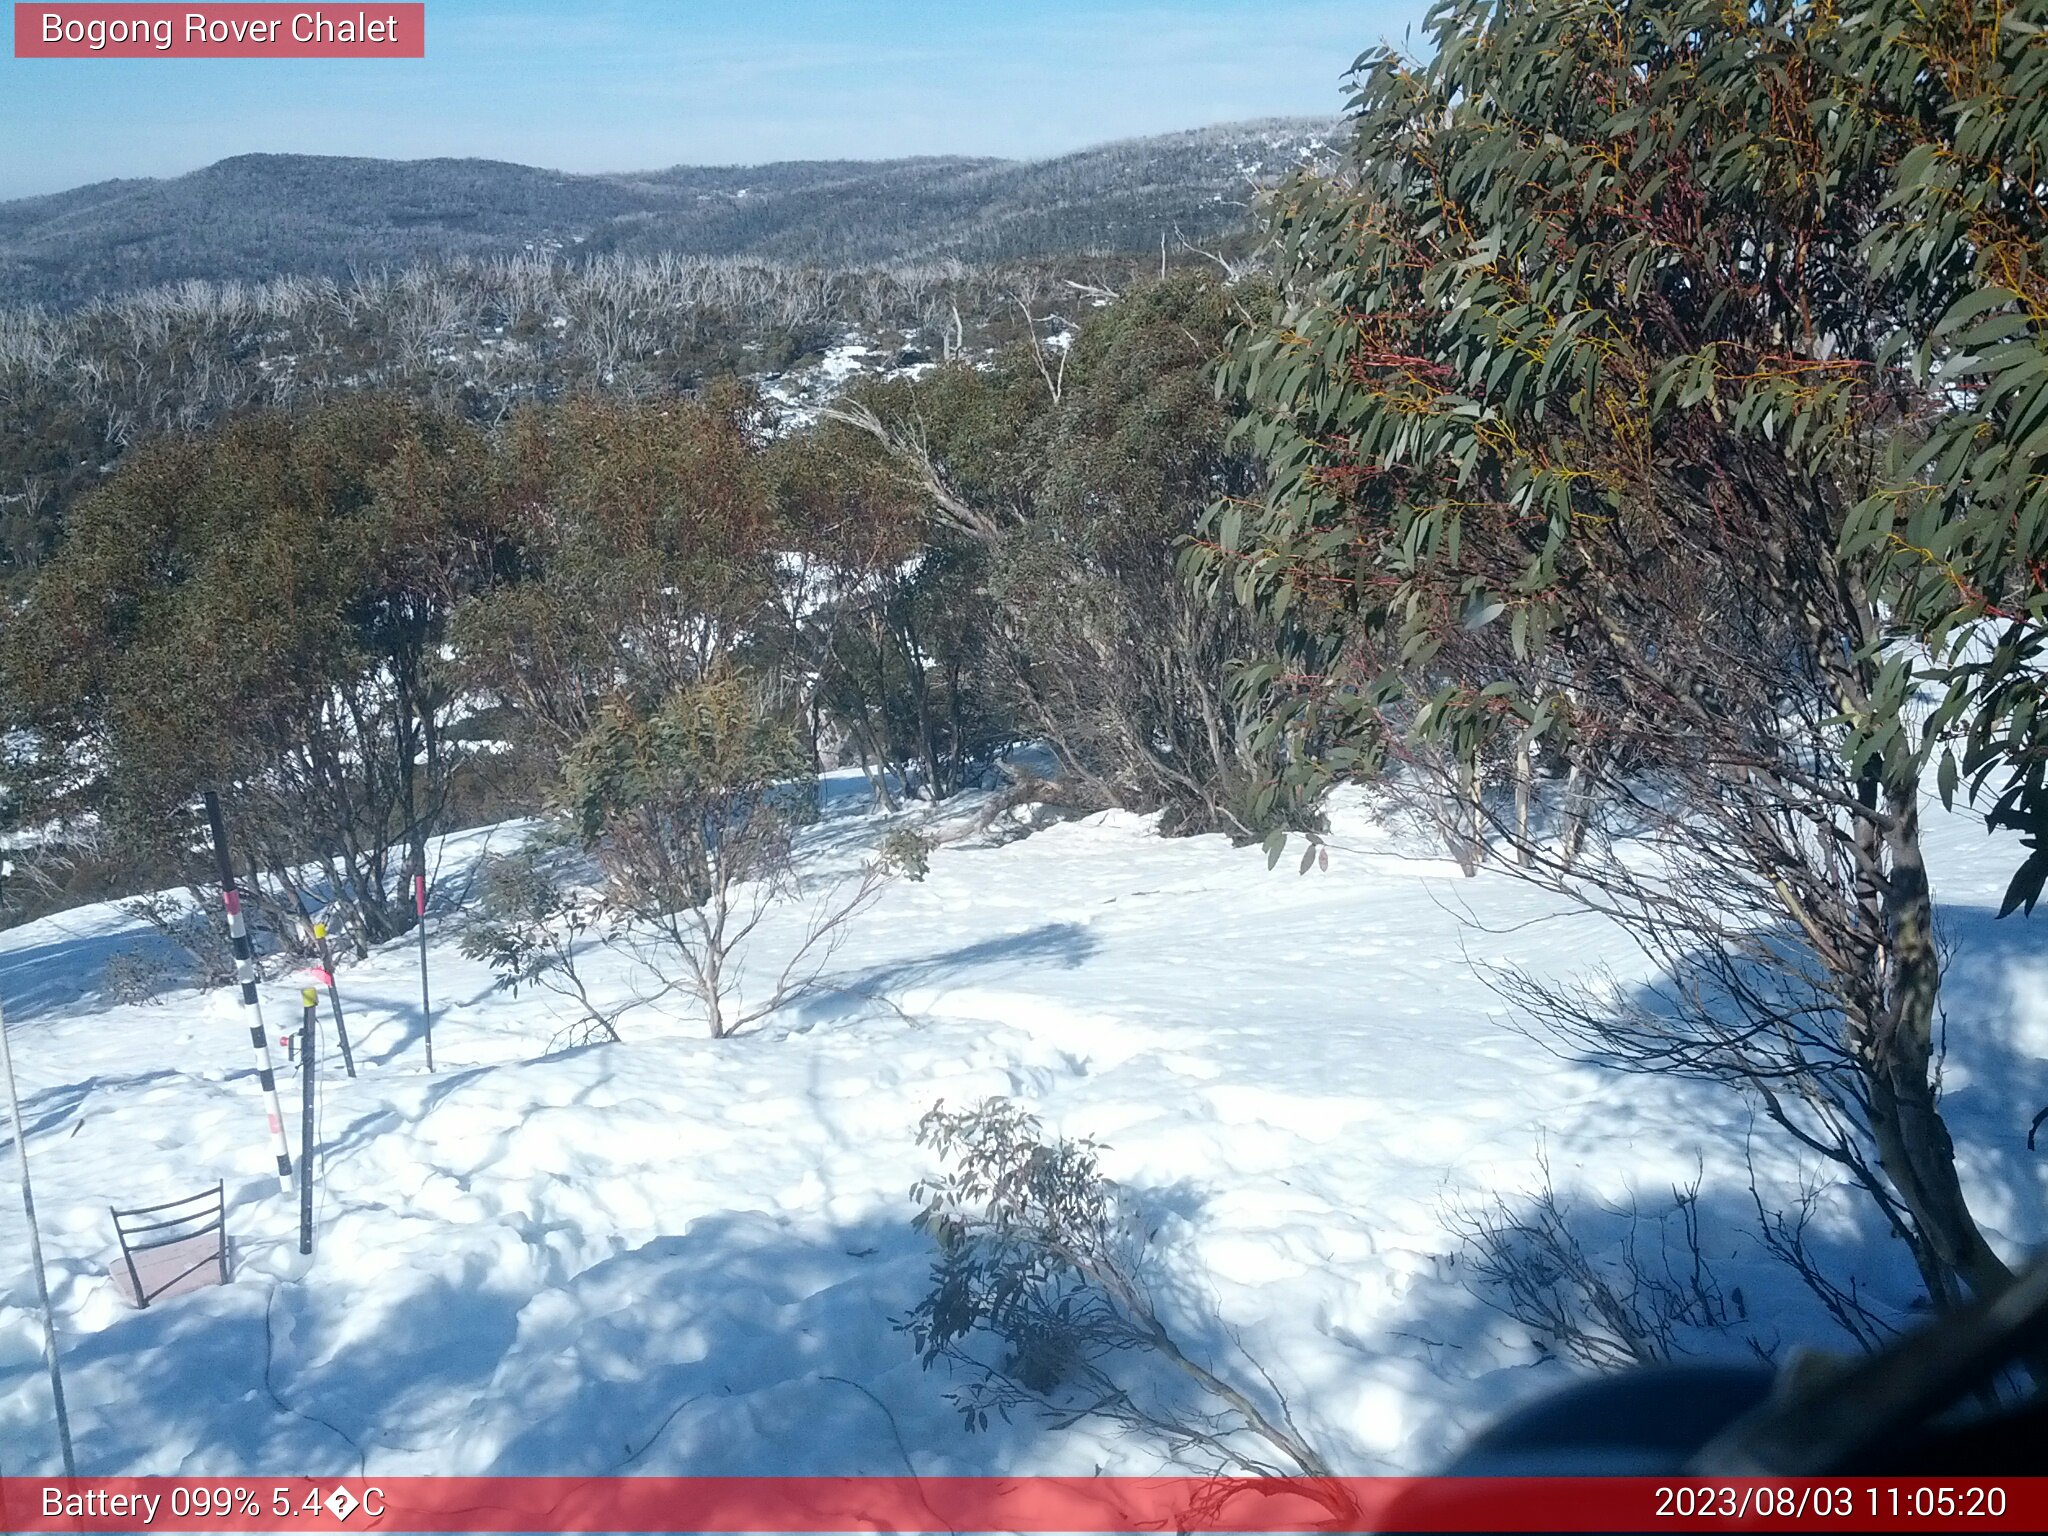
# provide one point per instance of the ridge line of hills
(259, 216)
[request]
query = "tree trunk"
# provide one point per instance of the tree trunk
(1525, 774)
(1914, 1146)
(1461, 825)
(1578, 808)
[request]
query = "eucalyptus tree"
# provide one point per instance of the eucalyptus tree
(262, 611)
(1654, 385)
(1061, 480)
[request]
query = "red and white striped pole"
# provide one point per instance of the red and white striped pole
(245, 974)
(325, 971)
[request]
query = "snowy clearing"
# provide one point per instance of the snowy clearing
(680, 1255)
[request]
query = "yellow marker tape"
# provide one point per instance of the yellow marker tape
(311, 997)
(319, 930)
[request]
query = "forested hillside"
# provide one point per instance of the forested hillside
(482, 337)
(265, 216)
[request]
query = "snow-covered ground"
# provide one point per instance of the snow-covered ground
(801, 393)
(680, 1255)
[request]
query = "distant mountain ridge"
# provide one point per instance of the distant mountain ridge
(260, 216)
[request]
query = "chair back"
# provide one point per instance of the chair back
(168, 1249)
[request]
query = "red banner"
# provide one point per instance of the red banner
(266, 31)
(1022, 1504)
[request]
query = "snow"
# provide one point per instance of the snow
(801, 393)
(680, 1255)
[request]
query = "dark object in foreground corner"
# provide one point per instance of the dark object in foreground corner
(1923, 1405)
(1918, 1408)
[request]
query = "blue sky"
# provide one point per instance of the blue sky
(635, 84)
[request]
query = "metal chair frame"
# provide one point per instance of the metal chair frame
(200, 1214)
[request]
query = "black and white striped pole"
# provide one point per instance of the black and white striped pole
(245, 974)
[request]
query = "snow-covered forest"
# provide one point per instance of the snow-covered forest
(1226, 861)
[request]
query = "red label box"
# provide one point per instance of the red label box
(103, 30)
(1134, 1506)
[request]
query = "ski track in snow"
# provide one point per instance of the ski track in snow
(679, 1255)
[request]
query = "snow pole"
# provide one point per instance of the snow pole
(348, 1059)
(35, 1254)
(419, 906)
(245, 974)
(35, 1241)
(311, 999)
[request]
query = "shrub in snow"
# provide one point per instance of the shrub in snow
(691, 808)
(908, 852)
(1062, 481)
(1043, 1258)
(132, 976)
(193, 928)
(533, 931)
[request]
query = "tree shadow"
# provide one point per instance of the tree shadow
(751, 1343)
(1464, 1331)
(58, 975)
(409, 1038)
(1050, 946)
(744, 1344)
(49, 1108)
(1995, 1080)
(1994, 1065)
